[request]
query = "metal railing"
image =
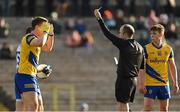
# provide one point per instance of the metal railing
(55, 90)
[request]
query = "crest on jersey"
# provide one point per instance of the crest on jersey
(166, 53)
(159, 53)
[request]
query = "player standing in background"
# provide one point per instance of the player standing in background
(28, 30)
(19, 106)
(26, 85)
(154, 81)
(17, 56)
(130, 61)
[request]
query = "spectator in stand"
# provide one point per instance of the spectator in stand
(69, 24)
(139, 23)
(57, 26)
(132, 20)
(62, 7)
(80, 26)
(119, 18)
(4, 28)
(80, 36)
(86, 36)
(109, 19)
(74, 40)
(143, 38)
(6, 51)
(152, 5)
(151, 20)
(171, 34)
(163, 20)
(87, 39)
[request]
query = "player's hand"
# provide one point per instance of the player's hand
(175, 88)
(97, 14)
(51, 30)
(142, 89)
(45, 27)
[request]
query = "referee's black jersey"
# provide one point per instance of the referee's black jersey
(131, 57)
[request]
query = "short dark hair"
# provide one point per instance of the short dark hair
(28, 30)
(128, 29)
(37, 21)
(158, 27)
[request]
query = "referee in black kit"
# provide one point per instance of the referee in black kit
(131, 60)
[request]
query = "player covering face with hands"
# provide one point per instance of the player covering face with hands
(26, 85)
(131, 59)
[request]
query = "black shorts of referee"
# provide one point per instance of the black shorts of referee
(125, 89)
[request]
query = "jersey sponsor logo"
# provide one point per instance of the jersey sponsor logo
(151, 53)
(29, 85)
(157, 61)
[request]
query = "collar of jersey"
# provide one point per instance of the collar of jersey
(33, 35)
(157, 46)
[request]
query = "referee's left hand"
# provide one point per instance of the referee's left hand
(97, 14)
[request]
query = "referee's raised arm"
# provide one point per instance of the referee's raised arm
(130, 60)
(105, 30)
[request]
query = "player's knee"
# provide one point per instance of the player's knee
(19, 106)
(31, 106)
(41, 107)
(147, 107)
(164, 108)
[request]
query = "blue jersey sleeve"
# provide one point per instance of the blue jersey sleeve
(171, 54)
(29, 38)
(145, 53)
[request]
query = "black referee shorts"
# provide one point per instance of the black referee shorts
(125, 89)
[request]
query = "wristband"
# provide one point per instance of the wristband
(51, 35)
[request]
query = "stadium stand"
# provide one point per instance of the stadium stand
(3, 108)
(6, 101)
